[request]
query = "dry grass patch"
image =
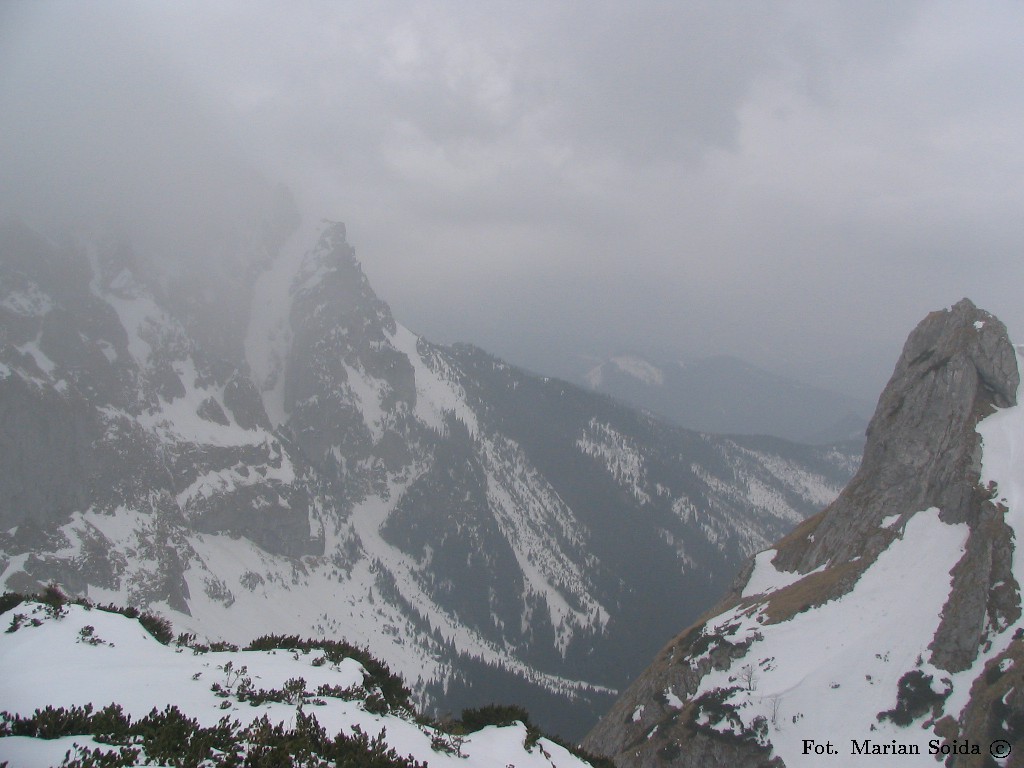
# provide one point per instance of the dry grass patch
(813, 590)
(793, 547)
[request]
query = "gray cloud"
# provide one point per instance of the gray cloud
(794, 182)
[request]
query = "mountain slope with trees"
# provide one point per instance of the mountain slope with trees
(254, 444)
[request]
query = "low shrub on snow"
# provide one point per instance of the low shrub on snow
(169, 737)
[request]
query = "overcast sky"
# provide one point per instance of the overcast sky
(795, 183)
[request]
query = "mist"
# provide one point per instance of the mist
(793, 183)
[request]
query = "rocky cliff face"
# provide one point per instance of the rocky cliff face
(490, 533)
(891, 618)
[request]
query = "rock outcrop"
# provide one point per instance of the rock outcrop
(728, 691)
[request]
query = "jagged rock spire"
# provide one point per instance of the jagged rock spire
(923, 453)
(922, 449)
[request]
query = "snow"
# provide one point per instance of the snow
(1002, 436)
(767, 499)
(45, 364)
(269, 335)
(595, 376)
(367, 518)
(631, 365)
(179, 419)
(47, 665)
(138, 313)
(300, 598)
(436, 391)
(368, 392)
(827, 672)
(30, 302)
(534, 520)
(766, 579)
(268, 593)
(810, 486)
(619, 454)
(147, 323)
(226, 480)
(639, 369)
(238, 591)
(108, 350)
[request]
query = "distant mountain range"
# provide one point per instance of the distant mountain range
(247, 441)
(726, 395)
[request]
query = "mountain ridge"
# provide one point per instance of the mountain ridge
(447, 508)
(727, 395)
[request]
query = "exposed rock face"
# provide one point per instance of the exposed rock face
(106, 404)
(45, 455)
(923, 452)
(922, 449)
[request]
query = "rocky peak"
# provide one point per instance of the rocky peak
(922, 449)
(479, 524)
(332, 278)
(906, 580)
(341, 364)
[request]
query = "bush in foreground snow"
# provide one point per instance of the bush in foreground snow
(260, 695)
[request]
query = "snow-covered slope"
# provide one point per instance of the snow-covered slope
(891, 623)
(321, 469)
(75, 656)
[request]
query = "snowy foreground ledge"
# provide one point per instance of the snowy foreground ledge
(76, 656)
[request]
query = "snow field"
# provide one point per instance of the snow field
(436, 393)
(827, 672)
(49, 665)
(766, 578)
